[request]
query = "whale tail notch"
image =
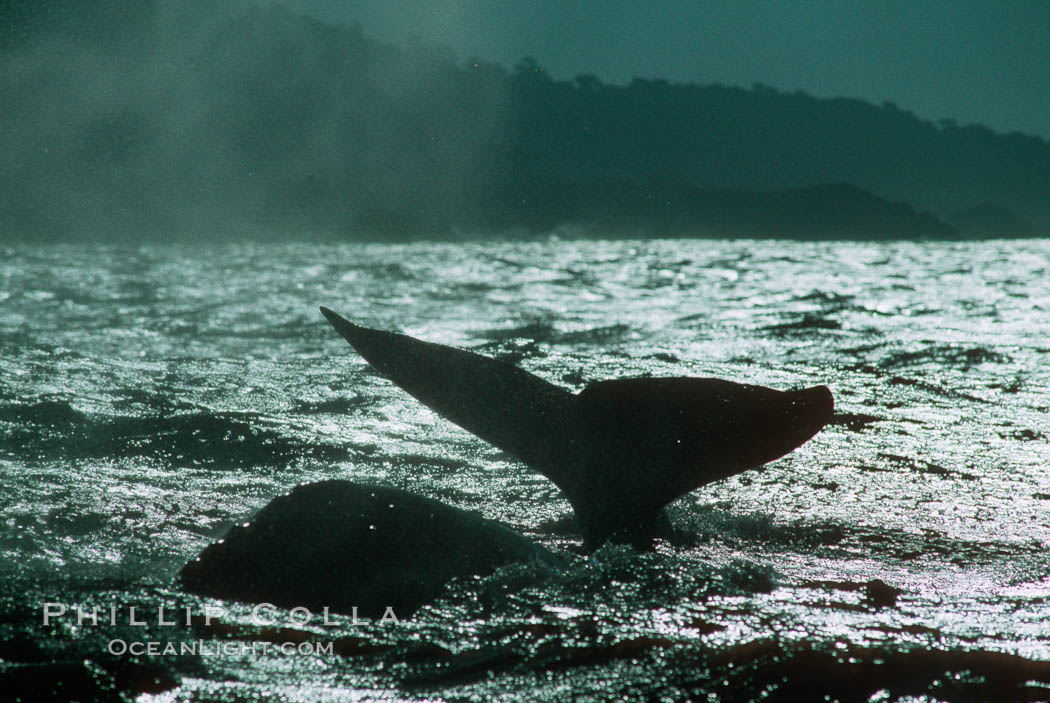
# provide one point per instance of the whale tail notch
(620, 450)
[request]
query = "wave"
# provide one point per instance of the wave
(56, 430)
(944, 355)
(804, 325)
(545, 332)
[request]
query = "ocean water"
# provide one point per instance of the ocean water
(152, 397)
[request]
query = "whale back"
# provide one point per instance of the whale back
(345, 545)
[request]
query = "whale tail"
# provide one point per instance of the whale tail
(619, 450)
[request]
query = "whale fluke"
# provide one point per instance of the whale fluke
(619, 450)
(345, 545)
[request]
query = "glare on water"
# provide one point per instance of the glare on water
(151, 398)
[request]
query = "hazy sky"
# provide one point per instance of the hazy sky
(985, 61)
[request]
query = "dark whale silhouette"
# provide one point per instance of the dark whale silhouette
(619, 450)
(346, 545)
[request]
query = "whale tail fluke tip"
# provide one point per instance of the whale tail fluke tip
(355, 334)
(341, 324)
(821, 396)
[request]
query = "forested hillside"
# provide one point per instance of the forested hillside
(186, 116)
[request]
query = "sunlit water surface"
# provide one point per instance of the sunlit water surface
(151, 398)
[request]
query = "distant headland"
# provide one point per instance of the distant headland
(125, 119)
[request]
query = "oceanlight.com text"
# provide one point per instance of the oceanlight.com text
(119, 647)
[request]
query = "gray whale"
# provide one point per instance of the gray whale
(620, 450)
(346, 545)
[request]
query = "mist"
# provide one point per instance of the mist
(202, 120)
(184, 117)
